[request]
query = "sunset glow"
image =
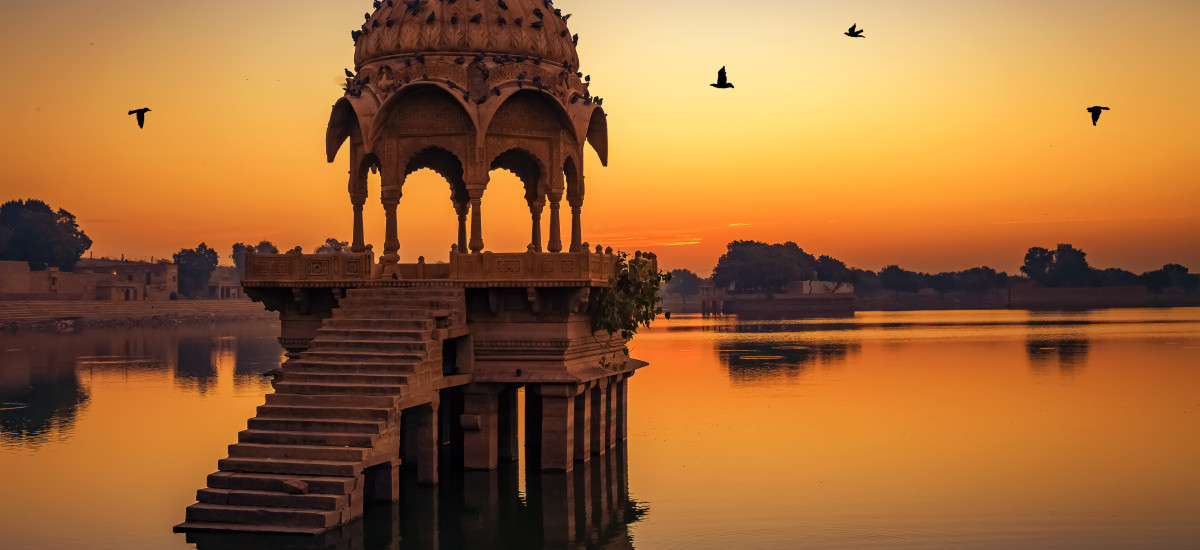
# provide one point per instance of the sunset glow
(953, 136)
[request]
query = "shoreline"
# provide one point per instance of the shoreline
(61, 316)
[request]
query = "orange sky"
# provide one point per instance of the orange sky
(953, 136)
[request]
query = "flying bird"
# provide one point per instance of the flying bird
(722, 82)
(141, 115)
(853, 32)
(1096, 113)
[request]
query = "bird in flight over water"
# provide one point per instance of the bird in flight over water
(1096, 113)
(853, 32)
(722, 82)
(141, 114)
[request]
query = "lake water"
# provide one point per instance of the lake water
(899, 430)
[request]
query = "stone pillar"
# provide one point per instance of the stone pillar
(360, 244)
(623, 408)
(583, 425)
(426, 428)
(576, 224)
(610, 415)
(462, 209)
(558, 426)
(391, 243)
(535, 239)
(508, 448)
(480, 425)
(599, 416)
(558, 509)
(382, 483)
(555, 223)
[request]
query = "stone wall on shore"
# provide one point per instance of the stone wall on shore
(63, 316)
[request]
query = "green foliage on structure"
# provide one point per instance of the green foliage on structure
(631, 299)
(31, 231)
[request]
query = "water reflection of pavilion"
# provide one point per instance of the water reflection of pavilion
(589, 507)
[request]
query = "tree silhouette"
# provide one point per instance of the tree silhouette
(30, 231)
(752, 266)
(195, 267)
(684, 283)
(1038, 262)
(332, 246)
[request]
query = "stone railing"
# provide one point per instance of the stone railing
(532, 267)
(292, 266)
(505, 269)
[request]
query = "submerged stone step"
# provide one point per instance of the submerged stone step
(270, 499)
(351, 367)
(381, 346)
(346, 378)
(297, 452)
(238, 531)
(290, 467)
(305, 438)
(371, 333)
(415, 326)
(281, 483)
(347, 356)
(252, 515)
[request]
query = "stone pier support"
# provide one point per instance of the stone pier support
(509, 446)
(583, 425)
(382, 482)
(558, 508)
(600, 408)
(480, 426)
(623, 408)
(610, 415)
(558, 426)
(425, 432)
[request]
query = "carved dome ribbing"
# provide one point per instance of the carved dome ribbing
(405, 27)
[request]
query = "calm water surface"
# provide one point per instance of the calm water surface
(906, 430)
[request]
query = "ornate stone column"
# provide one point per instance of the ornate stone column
(576, 224)
(535, 211)
(391, 243)
(360, 244)
(462, 209)
(555, 224)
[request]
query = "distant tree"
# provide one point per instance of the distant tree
(195, 267)
(866, 282)
(752, 266)
(684, 283)
(1070, 267)
(1038, 262)
(265, 247)
(332, 246)
(896, 279)
(30, 231)
(1115, 277)
(239, 257)
(1170, 276)
(944, 282)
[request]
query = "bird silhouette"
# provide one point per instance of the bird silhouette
(348, 73)
(141, 115)
(853, 33)
(1096, 113)
(722, 82)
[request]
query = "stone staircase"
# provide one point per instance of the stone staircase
(299, 467)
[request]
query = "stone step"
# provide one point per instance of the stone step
(200, 532)
(331, 413)
(422, 325)
(401, 302)
(307, 388)
(352, 367)
(370, 401)
(415, 347)
(290, 467)
(305, 438)
(298, 452)
(349, 356)
(270, 499)
(314, 425)
(278, 483)
(251, 515)
(369, 333)
(346, 378)
(381, 313)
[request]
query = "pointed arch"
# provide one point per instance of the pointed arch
(445, 163)
(528, 168)
(422, 109)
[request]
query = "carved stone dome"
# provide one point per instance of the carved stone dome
(529, 28)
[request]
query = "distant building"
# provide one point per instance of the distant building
(93, 280)
(225, 283)
(799, 299)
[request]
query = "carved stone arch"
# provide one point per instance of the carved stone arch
(572, 171)
(343, 124)
(423, 109)
(528, 168)
(445, 163)
(597, 134)
(527, 112)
